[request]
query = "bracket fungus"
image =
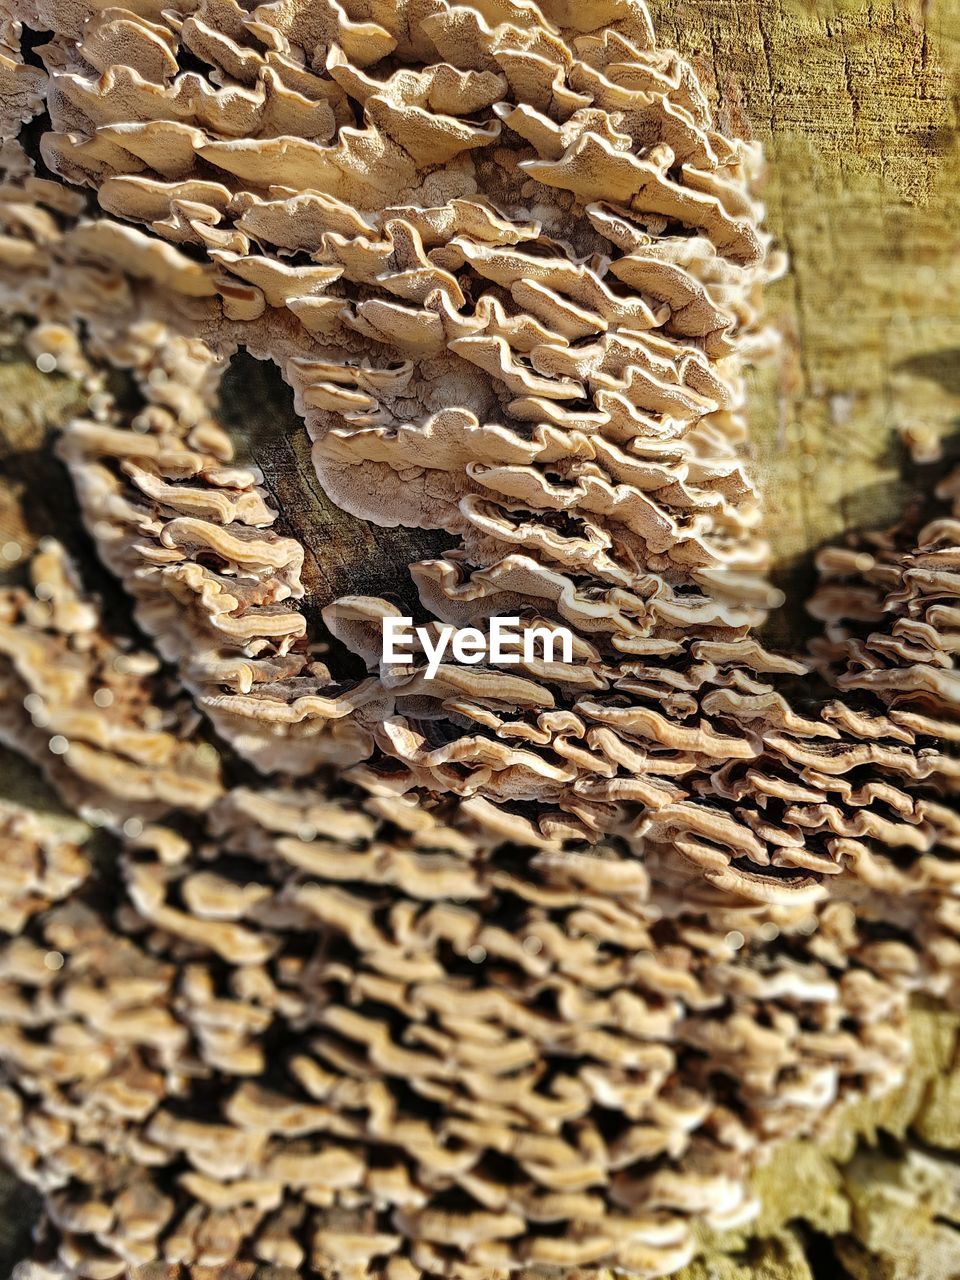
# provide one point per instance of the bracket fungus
(498, 973)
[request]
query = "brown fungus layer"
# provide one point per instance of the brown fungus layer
(84, 707)
(508, 972)
(337, 1031)
(551, 318)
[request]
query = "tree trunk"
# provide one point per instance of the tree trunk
(856, 105)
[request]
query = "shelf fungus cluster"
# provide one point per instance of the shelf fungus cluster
(508, 972)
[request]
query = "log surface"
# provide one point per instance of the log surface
(857, 106)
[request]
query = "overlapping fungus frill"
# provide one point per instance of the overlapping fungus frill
(39, 864)
(512, 273)
(333, 1029)
(347, 1028)
(83, 706)
(332, 1033)
(889, 602)
(539, 754)
(510, 970)
(188, 532)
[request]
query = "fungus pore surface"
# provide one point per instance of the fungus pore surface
(512, 972)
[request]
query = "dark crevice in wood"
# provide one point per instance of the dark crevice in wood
(343, 554)
(821, 1256)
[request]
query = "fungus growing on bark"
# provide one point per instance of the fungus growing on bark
(82, 706)
(499, 971)
(557, 342)
(39, 865)
(577, 1089)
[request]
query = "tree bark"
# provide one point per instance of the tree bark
(856, 105)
